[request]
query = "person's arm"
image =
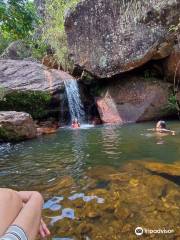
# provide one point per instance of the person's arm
(168, 131)
(151, 129)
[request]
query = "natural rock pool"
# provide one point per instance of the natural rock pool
(102, 182)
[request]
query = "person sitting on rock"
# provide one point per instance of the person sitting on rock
(75, 123)
(20, 215)
(162, 128)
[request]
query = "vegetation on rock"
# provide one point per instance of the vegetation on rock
(54, 32)
(34, 103)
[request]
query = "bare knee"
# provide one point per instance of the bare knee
(10, 198)
(36, 196)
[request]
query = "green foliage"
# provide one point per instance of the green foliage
(2, 94)
(173, 104)
(174, 28)
(54, 31)
(17, 18)
(34, 103)
(9, 135)
(4, 42)
(172, 101)
(38, 48)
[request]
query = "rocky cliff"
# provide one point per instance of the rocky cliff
(110, 37)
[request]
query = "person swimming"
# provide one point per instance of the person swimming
(75, 123)
(162, 128)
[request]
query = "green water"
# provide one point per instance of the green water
(71, 152)
(95, 183)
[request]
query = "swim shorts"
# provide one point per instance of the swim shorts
(14, 233)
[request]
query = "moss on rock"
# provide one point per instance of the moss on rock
(7, 135)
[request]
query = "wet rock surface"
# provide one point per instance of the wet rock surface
(16, 126)
(137, 99)
(131, 197)
(111, 37)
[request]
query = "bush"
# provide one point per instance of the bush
(34, 103)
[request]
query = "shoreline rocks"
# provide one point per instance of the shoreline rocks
(16, 126)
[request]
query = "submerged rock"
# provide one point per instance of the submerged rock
(46, 130)
(111, 37)
(16, 126)
(161, 168)
(137, 99)
(145, 199)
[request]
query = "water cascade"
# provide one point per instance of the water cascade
(76, 107)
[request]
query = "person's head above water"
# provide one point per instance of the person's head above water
(161, 125)
(75, 121)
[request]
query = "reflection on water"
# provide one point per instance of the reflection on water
(99, 183)
(44, 160)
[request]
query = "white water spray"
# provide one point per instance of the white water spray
(76, 107)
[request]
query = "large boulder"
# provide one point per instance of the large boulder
(31, 87)
(16, 126)
(17, 50)
(110, 37)
(135, 99)
(30, 76)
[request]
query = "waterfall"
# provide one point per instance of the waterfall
(76, 107)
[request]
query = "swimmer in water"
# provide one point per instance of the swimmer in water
(75, 123)
(162, 128)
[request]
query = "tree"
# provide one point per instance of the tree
(17, 18)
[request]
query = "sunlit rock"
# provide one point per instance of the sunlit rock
(137, 99)
(170, 169)
(20, 75)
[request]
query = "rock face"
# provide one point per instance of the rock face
(135, 100)
(172, 65)
(16, 50)
(16, 126)
(30, 76)
(111, 37)
(31, 87)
